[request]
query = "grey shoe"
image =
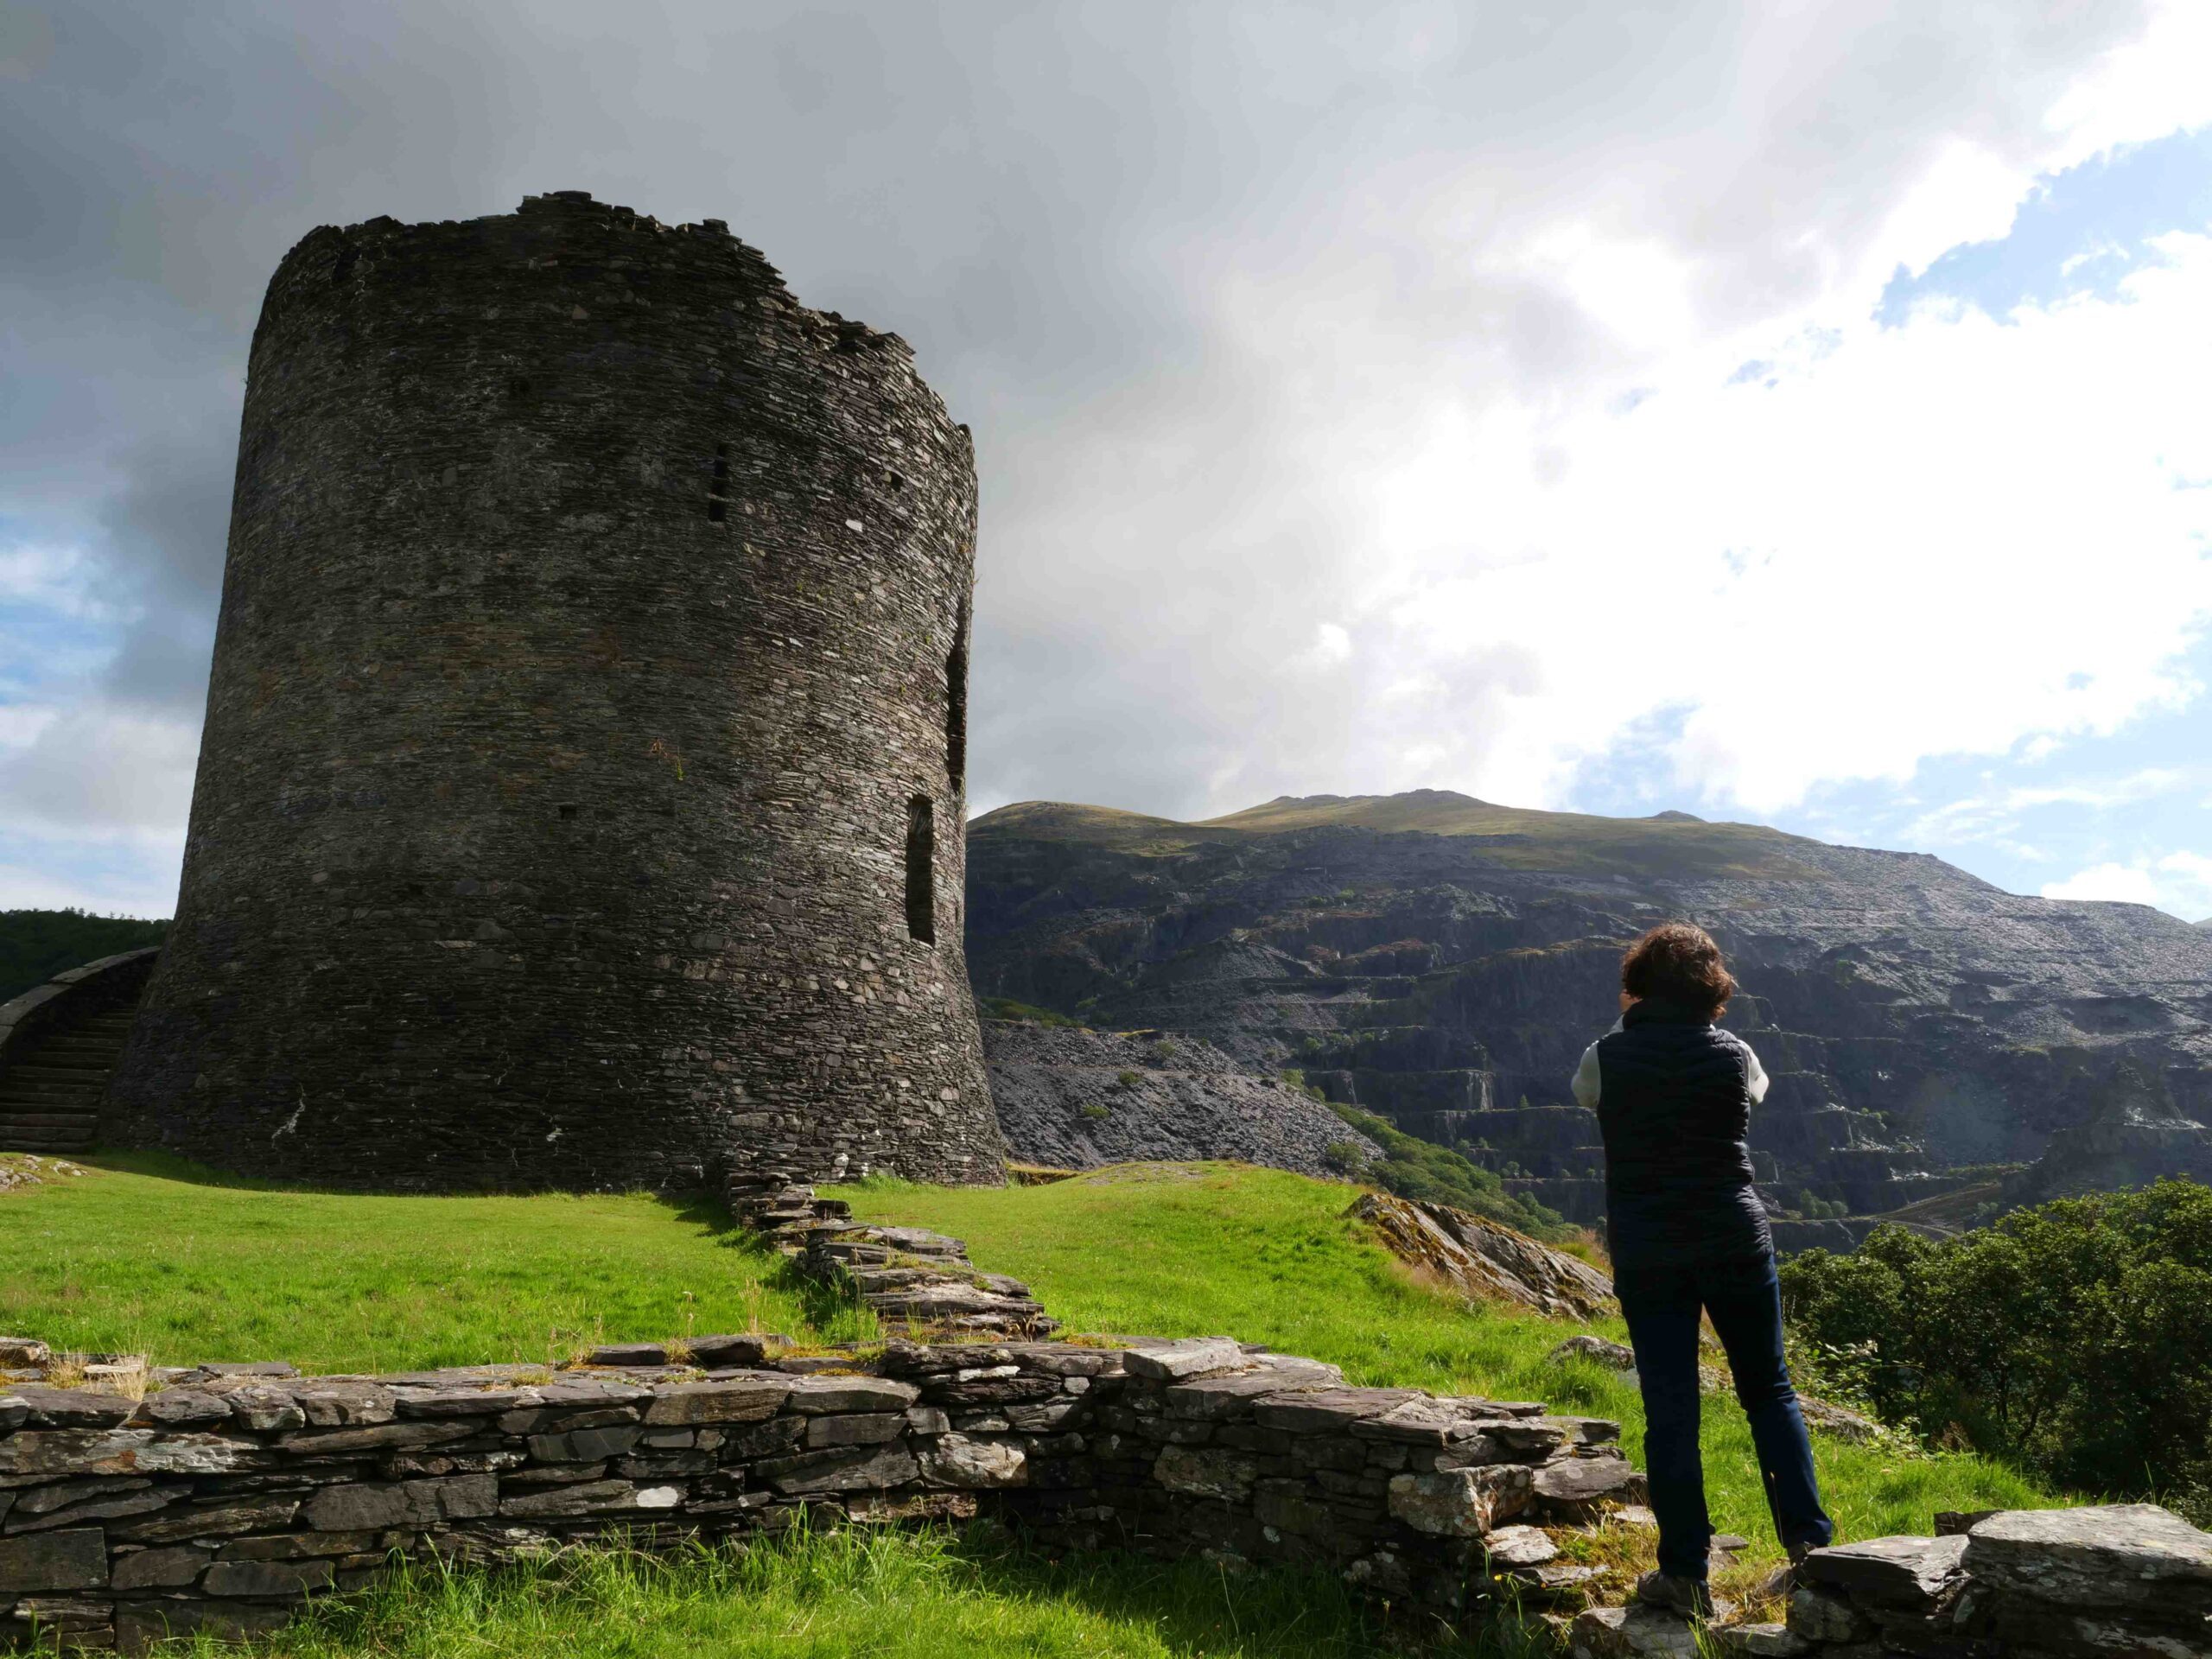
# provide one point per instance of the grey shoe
(1691, 1598)
(1783, 1582)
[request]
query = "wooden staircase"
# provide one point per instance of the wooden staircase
(50, 1097)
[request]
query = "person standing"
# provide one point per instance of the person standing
(1673, 1095)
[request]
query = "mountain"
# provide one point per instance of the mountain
(1441, 961)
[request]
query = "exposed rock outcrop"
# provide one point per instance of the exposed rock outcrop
(1484, 1260)
(1075, 1099)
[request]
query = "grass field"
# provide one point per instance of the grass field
(143, 1255)
(148, 1255)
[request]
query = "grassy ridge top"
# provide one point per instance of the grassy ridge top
(1519, 837)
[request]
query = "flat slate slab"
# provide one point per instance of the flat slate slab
(1904, 1573)
(2113, 1555)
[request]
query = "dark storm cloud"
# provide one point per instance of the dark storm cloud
(1192, 272)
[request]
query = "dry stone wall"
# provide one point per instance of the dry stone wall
(2118, 1581)
(232, 1493)
(580, 803)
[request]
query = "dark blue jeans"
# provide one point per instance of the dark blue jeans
(1661, 1303)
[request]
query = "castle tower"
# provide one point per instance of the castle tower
(580, 803)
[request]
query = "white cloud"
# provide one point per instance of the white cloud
(1960, 534)
(2179, 882)
(2130, 883)
(101, 771)
(1997, 811)
(1332, 646)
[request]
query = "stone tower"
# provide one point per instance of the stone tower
(580, 803)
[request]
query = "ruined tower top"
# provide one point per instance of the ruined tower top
(580, 801)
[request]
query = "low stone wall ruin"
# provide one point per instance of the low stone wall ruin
(2120, 1581)
(230, 1494)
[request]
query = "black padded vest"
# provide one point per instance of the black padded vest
(1675, 1107)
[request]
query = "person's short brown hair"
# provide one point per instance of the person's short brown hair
(1680, 963)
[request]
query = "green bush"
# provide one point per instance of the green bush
(2075, 1336)
(1414, 1168)
(1095, 1112)
(1005, 1007)
(1129, 1079)
(1345, 1157)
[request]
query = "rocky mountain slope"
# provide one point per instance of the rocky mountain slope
(1076, 1099)
(1441, 961)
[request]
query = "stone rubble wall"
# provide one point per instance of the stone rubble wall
(912, 1280)
(231, 1494)
(2116, 1581)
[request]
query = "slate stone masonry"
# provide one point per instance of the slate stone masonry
(2113, 1581)
(580, 803)
(234, 1492)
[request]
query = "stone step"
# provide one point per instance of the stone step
(40, 1071)
(43, 1140)
(82, 1101)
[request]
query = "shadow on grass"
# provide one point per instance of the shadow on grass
(167, 1166)
(823, 1305)
(983, 1592)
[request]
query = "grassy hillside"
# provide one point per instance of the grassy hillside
(150, 1255)
(36, 945)
(1671, 844)
(1267, 1256)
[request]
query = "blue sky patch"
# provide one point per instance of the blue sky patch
(2079, 232)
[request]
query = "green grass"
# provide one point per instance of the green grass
(150, 1256)
(146, 1255)
(886, 1595)
(1267, 1256)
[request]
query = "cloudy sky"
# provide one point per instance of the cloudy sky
(1786, 411)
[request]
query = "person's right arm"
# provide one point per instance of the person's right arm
(1586, 1075)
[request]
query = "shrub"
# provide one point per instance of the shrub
(1095, 1111)
(1414, 1168)
(1345, 1157)
(1005, 1007)
(2075, 1336)
(1129, 1079)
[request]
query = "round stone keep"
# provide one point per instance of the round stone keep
(580, 804)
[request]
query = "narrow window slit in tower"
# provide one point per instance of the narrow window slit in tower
(568, 811)
(921, 869)
(718, 490)
(956, 706)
